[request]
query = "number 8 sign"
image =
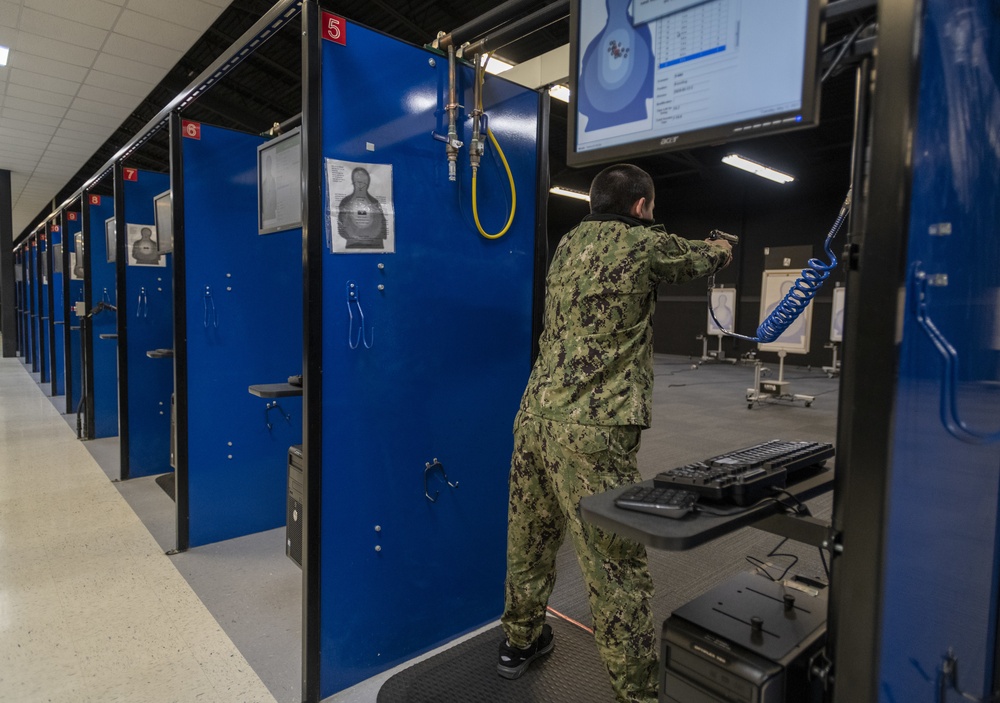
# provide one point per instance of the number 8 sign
(334, 29)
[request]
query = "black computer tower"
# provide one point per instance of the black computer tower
(296, 498)
(749, 640)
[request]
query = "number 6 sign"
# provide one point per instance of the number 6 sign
(334, 29)
(191, 130)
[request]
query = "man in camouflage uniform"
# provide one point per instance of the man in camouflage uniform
(577, 432)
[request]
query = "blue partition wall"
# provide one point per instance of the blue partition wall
(438, 368)
(58, 312)
(22, 304)
(44, 319)
(74, 366)
(148, 306)
(103, 353)
(244, 327)
(941, 565)
(37, 341)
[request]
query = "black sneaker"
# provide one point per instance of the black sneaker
(513, 661)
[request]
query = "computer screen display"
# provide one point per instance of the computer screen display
(279, 183)
(110, 238)
(649, 76)
(164, 222)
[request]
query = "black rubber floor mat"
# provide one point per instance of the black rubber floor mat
(467, 673)
(166, 482)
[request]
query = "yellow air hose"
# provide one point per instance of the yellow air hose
(480, 76)
(513, 194)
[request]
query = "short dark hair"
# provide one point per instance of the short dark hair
(617, 188)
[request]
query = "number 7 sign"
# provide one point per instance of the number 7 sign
(130, 174)
(334, 28)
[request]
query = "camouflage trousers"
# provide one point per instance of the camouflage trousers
(554, 465)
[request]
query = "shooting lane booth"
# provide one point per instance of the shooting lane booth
(911, 610)
(20, 283)
(418, 343)
(144, 324)
(57, 307)
(239, 328)
(39, 303)
(100, 321)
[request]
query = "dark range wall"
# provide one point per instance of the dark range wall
(763, 214)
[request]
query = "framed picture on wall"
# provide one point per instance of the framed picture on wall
(775, 286)
(142, 246)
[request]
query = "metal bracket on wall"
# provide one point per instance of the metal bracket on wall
(211, 315)
(429, 468)
(267, 414)
(354, 341)
(142, 310)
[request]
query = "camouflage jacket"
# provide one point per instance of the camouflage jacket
(595, 362)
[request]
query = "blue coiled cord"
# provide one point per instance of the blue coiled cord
(798, 298)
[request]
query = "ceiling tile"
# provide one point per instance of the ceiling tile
(10, 114)
(39, 96)
(8, 36)
(103, 95)
(47, 67)
(8, 13)
(37, 80)
(136, 50)
(118, 66)
(33, 106)
(100, 108)
(193, 14)
(119, 83)
(37, 45)
(91, 13)
(154, 31)
(47, 25)
(85, 128)
(32, 138)
(88, 117)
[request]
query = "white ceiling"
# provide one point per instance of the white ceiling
(77, 69)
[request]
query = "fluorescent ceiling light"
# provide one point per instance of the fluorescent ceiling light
(495, 65)
(4, 53)
(560, 92)
(757, 169)
(579, 195)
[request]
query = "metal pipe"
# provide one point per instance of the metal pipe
(453, 144)
(484, 23)
(522, 27)
(279, 128)
(476, 145)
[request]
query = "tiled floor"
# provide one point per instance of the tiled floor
(90, 607)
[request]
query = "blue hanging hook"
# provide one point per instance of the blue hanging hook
(354, 341)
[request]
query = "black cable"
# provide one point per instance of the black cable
(762, 565)
(826, 569)
(843, 50)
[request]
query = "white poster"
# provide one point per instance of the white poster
(142, 246)
(76, 258)
(724, 304)
(775, 286)
(361, 216)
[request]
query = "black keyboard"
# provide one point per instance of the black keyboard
(668, 502)
(746, 475)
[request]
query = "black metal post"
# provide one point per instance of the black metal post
(121, 270)
(181, 485)
(875, 271)
(312, 345)
(8, 296)
(86, 329)
(51, 295)
(541, 219)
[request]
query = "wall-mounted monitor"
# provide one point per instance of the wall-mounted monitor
(649, 76)
(164, 222)
(110, 239)
(279, 183)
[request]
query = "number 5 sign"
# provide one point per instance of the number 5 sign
(334, 28)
